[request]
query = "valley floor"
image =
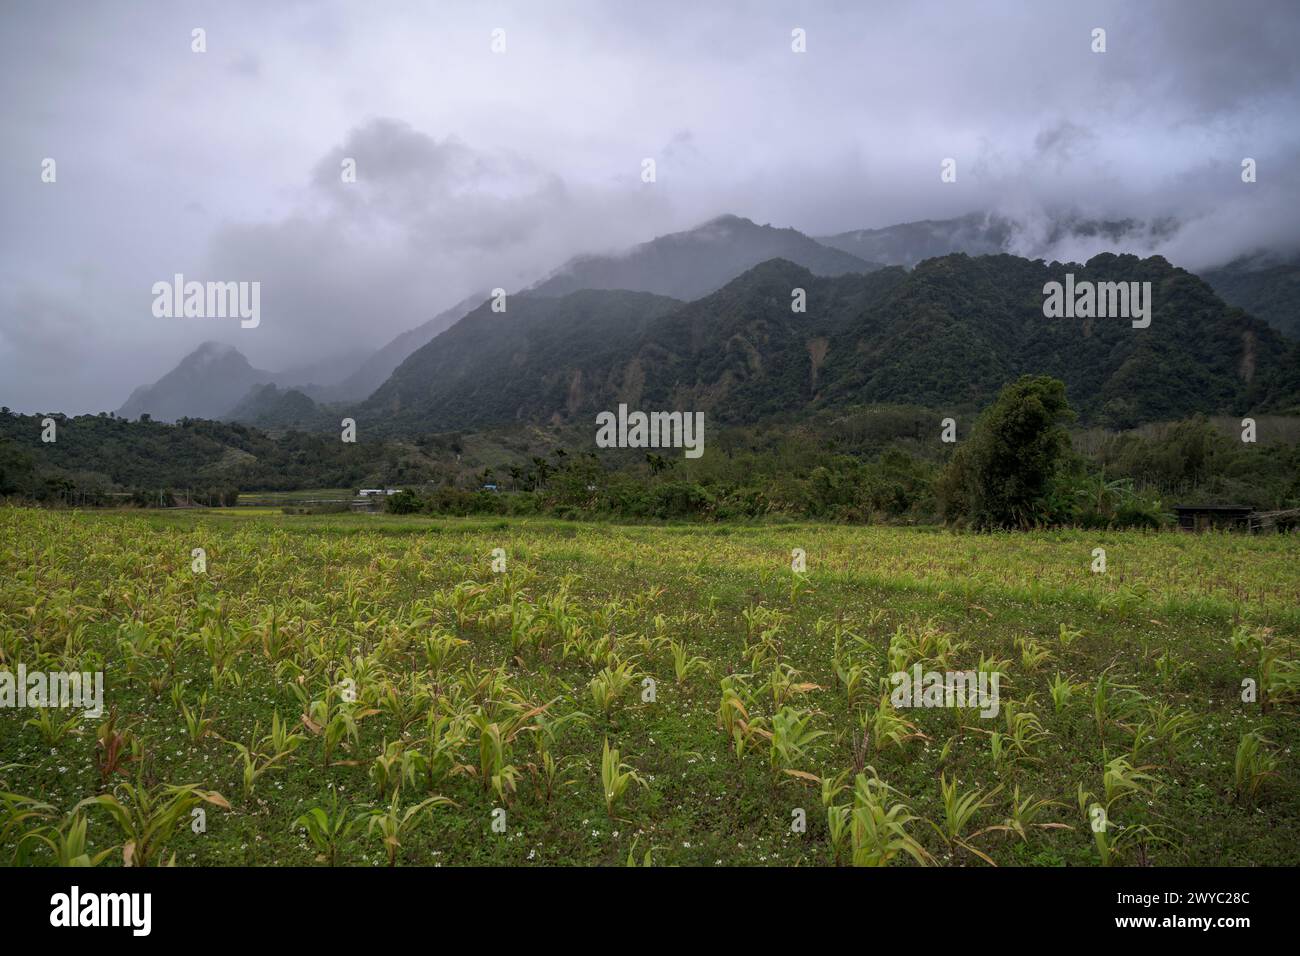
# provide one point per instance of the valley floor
(749, 704)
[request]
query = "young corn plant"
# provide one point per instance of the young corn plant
(902, 650)
(884, 726)
(1253, 765)
(1279, 679)
(853, 678)
(53, 731)
(878, 825)
(992, 665)
(404, 705)
(327, 829)
(1114, 704)
(1025, 813)
(496, 768)
(391, 824)
(334, 722)
(440, 648)
(784, 684)
(197, 722)
(610, 686)
(999, 750)
(545, 768)
(1245, 639)
(1170, 668)
(647, 860)
(1024, 729)
(832, 787)
(1162, 728)
(735, 702)
(149, 818)
(615, 777)
(959, 809)
(1113, 840)
(1032, 653)
(1122, 779)
(222, 645)
(763, 653)
(1169, 726)
(68, 844)
(445, 737)
(734, 714)
(1067, 635)
(254, 761)
(464, 601)
(394, 765)
(684, 665)
(23, 822)
(799, 586)
(1062, 691)
(791, 739)
(281, 739)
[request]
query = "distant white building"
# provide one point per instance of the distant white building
(367, 492)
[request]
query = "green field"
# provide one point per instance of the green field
(403, 667)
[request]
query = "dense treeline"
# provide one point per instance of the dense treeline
(875, 464)
(97, 459)
(1018, 468)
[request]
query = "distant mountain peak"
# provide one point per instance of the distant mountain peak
(727, 221)
(697, 261)
(210, 352)
(205, 384)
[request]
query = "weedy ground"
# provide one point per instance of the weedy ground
(672, 695)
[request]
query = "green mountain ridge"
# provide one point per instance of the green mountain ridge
(949, 333)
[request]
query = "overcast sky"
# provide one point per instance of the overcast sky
(478, 169)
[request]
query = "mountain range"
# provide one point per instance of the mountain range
(946, 335)
(607, 328)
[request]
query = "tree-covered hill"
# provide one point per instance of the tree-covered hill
(541, 358)
(948, 334)
(98, 453)
(1268, 288)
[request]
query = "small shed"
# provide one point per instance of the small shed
(1216, 517)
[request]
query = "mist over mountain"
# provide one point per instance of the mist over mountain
(217, 381)
(1265, 285)
(689, 264)
(1064, 235)
(376, 368)
(906, 244)
(205, 384)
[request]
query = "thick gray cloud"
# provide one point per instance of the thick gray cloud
(477, 169)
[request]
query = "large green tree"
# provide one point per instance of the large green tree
(1002, 476)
